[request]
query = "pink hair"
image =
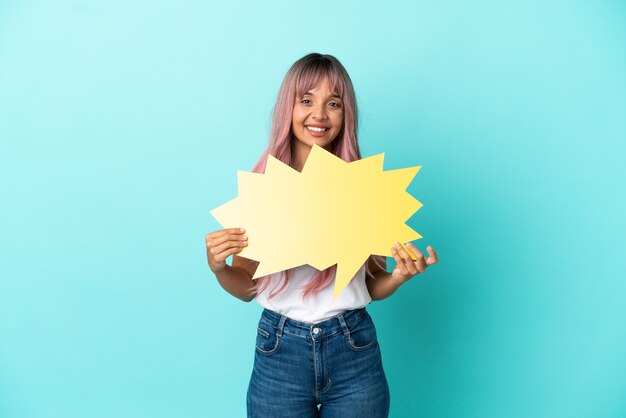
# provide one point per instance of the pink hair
(305, 74)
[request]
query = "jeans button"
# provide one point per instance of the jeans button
(316, 330)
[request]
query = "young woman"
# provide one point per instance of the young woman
(311, 351)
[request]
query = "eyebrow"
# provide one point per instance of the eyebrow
(311, 94)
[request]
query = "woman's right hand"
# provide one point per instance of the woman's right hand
(220, 244)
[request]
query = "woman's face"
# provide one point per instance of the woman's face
(317, 117)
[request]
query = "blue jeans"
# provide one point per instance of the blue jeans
(335, 363)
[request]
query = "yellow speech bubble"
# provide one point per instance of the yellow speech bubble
(333, 212)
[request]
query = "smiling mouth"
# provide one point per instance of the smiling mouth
(316, 129)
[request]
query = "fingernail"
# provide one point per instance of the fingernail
(242, 230)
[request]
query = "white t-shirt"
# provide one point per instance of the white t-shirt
(289, 301)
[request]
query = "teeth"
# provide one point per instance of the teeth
(312, 128)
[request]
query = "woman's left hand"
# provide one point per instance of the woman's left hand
(407, 267)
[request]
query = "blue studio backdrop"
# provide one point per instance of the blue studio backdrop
(123, 123)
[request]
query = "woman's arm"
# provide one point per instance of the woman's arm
(237, 279)
(236, 282)
(382, 285)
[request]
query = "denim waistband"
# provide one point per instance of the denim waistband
(341, 322)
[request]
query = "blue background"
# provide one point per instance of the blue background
(122, 124)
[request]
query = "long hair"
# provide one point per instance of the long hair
(305, 74)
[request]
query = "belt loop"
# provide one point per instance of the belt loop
(281, 324)
(346, 331)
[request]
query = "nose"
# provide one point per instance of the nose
(319, 112)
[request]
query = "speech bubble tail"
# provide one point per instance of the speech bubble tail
(345, 273)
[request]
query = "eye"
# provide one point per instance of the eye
(305, 100)
(337, 105)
